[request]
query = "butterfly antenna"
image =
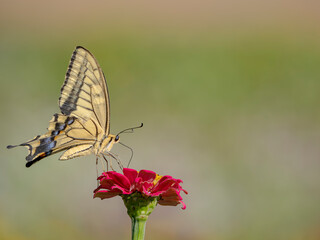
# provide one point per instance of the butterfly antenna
(131, 152)
(12, 146)
(130, 130)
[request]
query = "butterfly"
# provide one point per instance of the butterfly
(83, 126)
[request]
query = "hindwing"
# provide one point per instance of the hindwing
(63, 133)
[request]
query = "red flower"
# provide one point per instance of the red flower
(148, 183)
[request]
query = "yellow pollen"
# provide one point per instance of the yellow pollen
(156, 180)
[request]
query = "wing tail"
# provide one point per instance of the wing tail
(58, 138)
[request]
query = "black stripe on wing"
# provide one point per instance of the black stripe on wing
(43, 145)
(69, 104)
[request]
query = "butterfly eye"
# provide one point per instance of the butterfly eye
(117, 138)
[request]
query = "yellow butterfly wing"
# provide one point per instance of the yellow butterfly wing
(84, 103)
(64, 132)
(84, 93)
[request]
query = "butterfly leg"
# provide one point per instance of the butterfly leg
(131, 153)
(97, 171)
(103, 165)
(115, 157)
(107, 162)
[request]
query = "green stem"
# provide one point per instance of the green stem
(139, 207)
(138, 227)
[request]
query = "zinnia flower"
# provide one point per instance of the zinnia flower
(165, 189)
(141, 192)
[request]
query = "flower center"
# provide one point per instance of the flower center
(156, 180)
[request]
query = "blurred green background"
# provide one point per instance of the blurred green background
(229, 93)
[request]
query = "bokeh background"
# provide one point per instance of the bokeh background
(229, 92)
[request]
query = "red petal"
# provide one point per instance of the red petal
(147, 176)
(172, 203)
(164, 178)
(106, 194)
(106, 183)
(145, 188)
(131, 174)
(119, 179)
(122, 190)
(171, 194)
(172, 197)
(138, 185)
(164, 185)
(185, 191)
(168, 202)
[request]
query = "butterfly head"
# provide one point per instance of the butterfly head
(109, 140)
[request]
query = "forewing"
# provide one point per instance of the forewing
(64, 132)
(84, 93)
